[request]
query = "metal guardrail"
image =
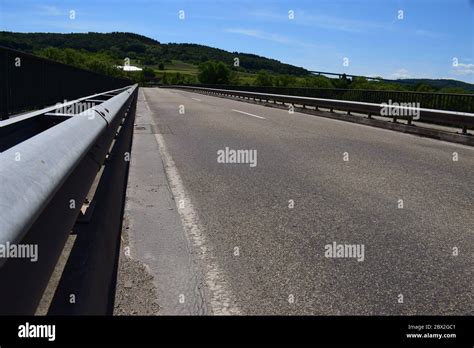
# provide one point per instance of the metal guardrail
(44, 181)
(456, 119)
(28, 82)
(427, 100)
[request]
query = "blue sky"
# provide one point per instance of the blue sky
(424, 43)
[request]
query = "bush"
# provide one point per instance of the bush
(215, 73)
(285, 81)
(317, 82)
(148, 74)
(263, 79)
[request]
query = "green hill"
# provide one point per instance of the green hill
(442, 84)
(143, 50)
(178, 63)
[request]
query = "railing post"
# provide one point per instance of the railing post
(4, 95)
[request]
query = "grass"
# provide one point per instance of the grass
(174, 71)
(187, 69)
(181, 67)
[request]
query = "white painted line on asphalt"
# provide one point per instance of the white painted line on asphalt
(246, 113)
(196, 99)
(222, 301)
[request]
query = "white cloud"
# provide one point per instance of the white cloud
(401, 74)
(463, 69)
(260, 35)
(46, 10)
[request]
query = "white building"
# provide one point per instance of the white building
(129, 68)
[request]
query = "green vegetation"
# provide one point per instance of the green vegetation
(263, 79)
(190, 63)
(217, 73)
(146, 51)
(100, 62)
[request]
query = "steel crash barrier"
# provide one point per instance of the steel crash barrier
(396, 111)
(427, 100)
(51, 160)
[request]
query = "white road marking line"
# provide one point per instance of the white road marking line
(222, 301)
(246, 113)
(196, 99)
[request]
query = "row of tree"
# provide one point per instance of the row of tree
(147, 50)
(217, 72)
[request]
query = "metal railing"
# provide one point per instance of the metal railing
(456, 119)
(427, 100)
(45, 178)
(28, 82)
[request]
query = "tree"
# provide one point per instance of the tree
(422, 87)
(263, 79)
(223, 73)
(212, 72)
(148, 74)
(234, 78)
(177, 79)
(317, 82)
(285, 81)
(457, 90)
(360, 83)
(161, 66)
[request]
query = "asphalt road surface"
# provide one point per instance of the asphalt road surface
(259, 232)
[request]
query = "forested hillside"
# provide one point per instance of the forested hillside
(191, 63)
(143, 49)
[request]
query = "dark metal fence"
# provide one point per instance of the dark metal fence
(29, 82)
(438, 101)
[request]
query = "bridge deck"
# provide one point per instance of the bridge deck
(236, 246)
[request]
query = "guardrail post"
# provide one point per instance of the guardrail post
(5, 84)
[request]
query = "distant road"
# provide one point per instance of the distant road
(259, 233)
